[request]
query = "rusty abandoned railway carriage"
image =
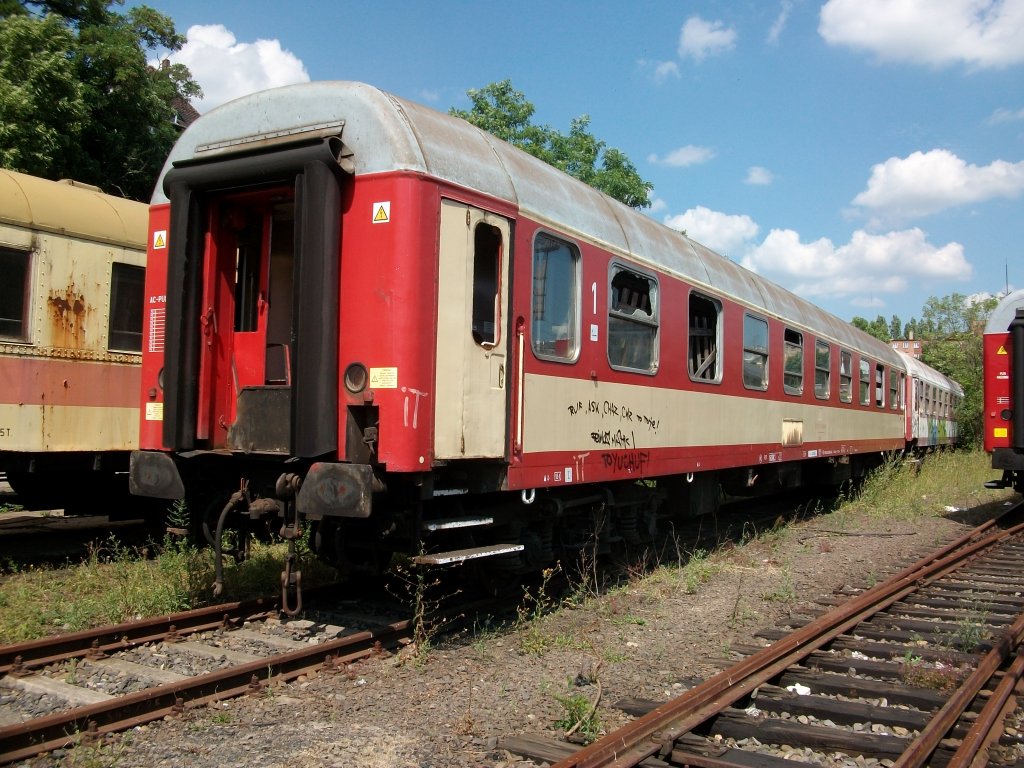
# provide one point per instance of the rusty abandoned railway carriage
(378, 318)
(1003, 378)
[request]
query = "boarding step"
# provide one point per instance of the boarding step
(454, 523)
(461, 555)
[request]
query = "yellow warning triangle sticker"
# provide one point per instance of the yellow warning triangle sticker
(1001, 350)
(158, 241)
(380, 214)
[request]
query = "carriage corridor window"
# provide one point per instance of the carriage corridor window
(845, 376)
(14, 292)
(895, 388)
(793, 354)
(822, 370)
(755, 352)
(554, 330)
(703, 361)
(126, 290)
(880, 385)
(486, 267)
(633, 321)
(865, 382)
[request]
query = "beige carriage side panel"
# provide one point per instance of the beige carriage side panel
(471, 350)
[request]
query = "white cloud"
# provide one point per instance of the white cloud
(866, 266)
(684, 156)
(226, 69)
(700, 39)
(657, 205)
(758, 176)
(780, 22)
(725, 233)
(927, 182)
(979, 33)
(665, 70)
(1004, 115)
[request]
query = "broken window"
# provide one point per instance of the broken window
(486, 268)
(793, 354)
(126, 290)
(880, 385)
(865, 382)
(14, 293)
(822, 369)
(755, 352)
(704, 361)
(845, 376)
(633, 321)
(554, 332)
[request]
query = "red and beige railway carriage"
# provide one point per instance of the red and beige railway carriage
(380, 318)
(72, 263)
(931, 401)
(1004, 390)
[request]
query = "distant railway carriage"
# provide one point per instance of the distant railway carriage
(377, 317)
(72, 262)
(931, 400)
(1004, 390)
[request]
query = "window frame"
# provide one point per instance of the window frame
(22, 325)
(718, 335)
(615, 268)
(576, 298)
(864, 390)
(764, 353)
(845, 379)
(879, 384)
(787, 373)
(822, 393)
(492, 260)
(138, 274)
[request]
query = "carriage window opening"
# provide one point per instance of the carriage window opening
(705, 363)
(880, 386)
(14, 293)
(755, 352)
(845, 376)
(865, 382)
(126, 291)
(894, 389)
(248, 231)
(793, 362)
(554, 330)
(486, 267)
(633, 321)
(822, 370)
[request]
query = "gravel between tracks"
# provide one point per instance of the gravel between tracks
(646, 639)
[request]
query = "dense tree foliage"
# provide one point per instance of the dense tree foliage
(503, 111)
(877, 327)
(77, 98)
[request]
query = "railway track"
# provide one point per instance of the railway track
(921, 669)
(59, 691)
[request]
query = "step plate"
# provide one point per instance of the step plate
(461, 555)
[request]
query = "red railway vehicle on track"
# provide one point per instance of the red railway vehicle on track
(384, 320)
(1004, 390)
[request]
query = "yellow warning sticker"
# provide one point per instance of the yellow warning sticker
(382, 212)
(383, 378)
(1001, 350)
(160, 239)
(1000, 432)
(154, 411)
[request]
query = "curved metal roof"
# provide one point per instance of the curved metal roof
(386, 133)
(926, 373)
(75, 210)
(1005, 311)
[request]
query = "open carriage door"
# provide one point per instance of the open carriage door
(472, 334)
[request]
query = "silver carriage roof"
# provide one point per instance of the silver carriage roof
(926, 373)
(387, 133)
(1005, 311)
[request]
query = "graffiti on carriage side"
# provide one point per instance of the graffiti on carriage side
(631, 462)
(616, 439)
(606, 409)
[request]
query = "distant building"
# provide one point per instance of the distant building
(910, 346)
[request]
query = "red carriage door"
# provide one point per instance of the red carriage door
(472, 339)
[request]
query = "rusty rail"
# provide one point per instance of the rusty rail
(656, 731)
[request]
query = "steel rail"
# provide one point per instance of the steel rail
(656, 731)
(24, 740)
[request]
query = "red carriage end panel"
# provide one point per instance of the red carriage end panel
(154, 312)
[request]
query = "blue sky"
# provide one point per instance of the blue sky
(866, 154)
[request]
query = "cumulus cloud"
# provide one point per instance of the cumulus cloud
(928, 182)
(866, 266)
(758, 176)
(978, 33)
(227, 69)
(722, 232)
(700, 39)
(684, 156)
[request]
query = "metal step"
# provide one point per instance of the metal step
(457, 522)
(461, 555)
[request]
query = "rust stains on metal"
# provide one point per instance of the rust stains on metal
(69, 316)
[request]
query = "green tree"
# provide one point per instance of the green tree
(877, 327)
(77, 98)
(955, 326)
(504, 112)
(895, 328)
